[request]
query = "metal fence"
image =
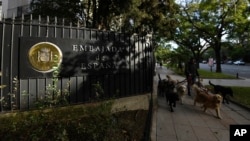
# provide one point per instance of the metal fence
(124, 69)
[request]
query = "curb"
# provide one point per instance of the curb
(241, 105)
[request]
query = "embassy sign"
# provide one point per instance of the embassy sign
(100, 59)
(40, 56)
(122, 64)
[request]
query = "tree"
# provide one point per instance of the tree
(137, 16)
(67, 9)
(126, 16)
(178, 57)
(186, 36)
(161, 53)
(213, 19)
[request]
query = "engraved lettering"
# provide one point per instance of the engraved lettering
(75, 48)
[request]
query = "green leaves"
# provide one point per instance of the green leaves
(203, 24)
(113, 15)
(57, 8)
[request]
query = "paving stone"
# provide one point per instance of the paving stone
(167, 138)
(221, 134)
(204, 134)
(185, 133)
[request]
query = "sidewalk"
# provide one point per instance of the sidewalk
(189, 122)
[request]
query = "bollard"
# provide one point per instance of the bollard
(237, 75)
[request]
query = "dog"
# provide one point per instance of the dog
(224, 91)
(200, 84)
(171, 80)
(170, 94)
(171, 98)
(166, 87)
(181, 90)
(212, 101)
(161, 86)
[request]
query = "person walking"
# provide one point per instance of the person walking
(161, 64)
(191, 73)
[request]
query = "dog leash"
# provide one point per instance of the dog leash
(181, 81)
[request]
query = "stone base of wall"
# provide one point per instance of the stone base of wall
(132, 103)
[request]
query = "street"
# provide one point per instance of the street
(243, 71)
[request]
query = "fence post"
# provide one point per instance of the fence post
(31, 18)
(55, 26)
(47, 27)
(39, 26)
(63, 28)
(2, 52)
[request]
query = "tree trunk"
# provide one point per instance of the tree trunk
(217, 49)
(197, 58)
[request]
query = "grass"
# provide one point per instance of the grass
(207, 74)
(214, 75)
(241, 95)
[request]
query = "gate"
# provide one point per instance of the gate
(92, 62)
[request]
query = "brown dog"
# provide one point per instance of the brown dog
(212, 101)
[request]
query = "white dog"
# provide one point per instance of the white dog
(181, 90)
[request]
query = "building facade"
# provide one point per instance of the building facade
(15, 8)
(0, 10)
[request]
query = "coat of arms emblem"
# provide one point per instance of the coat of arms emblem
(44, 56)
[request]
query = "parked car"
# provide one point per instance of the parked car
(239, 62)
(204, 61)
(230, 62)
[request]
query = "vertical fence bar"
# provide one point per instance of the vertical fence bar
(134, 61)
(77, 30)
(20, 93)
(129, 58)
(22, 21)
(63, 28)
(90, 34)
(144, 85)
(28, 97)
(37, 89)
(11, 59)
(47, 27)
(76, 87)
(1, 69)
(70, 30)
(55, 35)
(39, 26)
(31, 18)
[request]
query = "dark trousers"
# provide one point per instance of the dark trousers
(190, 82)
